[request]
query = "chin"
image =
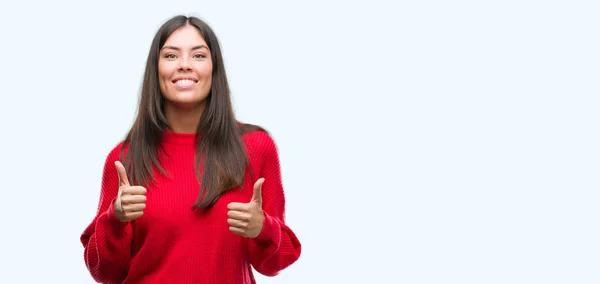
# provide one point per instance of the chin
(185, 101)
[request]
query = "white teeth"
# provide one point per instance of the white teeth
(184, 82)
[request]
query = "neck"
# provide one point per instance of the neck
(184, 119)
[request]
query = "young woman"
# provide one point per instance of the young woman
(191, 195)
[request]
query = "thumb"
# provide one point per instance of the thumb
(257, 196)
(123, 180)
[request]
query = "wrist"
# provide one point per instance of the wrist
(114, 212)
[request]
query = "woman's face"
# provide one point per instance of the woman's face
(185, 68)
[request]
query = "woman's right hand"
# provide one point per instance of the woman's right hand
(131, 200)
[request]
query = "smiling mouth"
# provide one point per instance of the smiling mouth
(184, 83)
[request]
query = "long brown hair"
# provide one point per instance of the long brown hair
(221, 158)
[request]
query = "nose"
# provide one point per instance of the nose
(184, 63)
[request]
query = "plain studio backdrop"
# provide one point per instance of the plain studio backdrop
(420, 141)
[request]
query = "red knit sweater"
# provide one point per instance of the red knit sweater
(171, 243)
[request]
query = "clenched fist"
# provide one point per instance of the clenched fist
(131, 200)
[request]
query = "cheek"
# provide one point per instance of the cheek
(164, 88)
(205, 70)
(164, 78)
(164, 72)
(161, 81)
(206, 73)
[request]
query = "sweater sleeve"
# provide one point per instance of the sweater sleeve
(106, 240)
(276, 247)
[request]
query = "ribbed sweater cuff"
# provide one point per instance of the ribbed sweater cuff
(115, 226)
(271, 231)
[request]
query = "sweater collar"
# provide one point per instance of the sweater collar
(178, 138)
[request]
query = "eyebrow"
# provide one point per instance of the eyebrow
(177, 48)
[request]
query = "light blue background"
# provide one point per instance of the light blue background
(421, 141)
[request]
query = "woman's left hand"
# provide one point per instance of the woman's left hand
(246, 219)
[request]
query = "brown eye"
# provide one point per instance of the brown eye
(170, 56)
(199, 56)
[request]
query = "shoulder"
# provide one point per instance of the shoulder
(256, 136)
(259, 142)
(117, 152)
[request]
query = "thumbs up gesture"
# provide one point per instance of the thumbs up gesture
(131, 200)
(246, 219)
